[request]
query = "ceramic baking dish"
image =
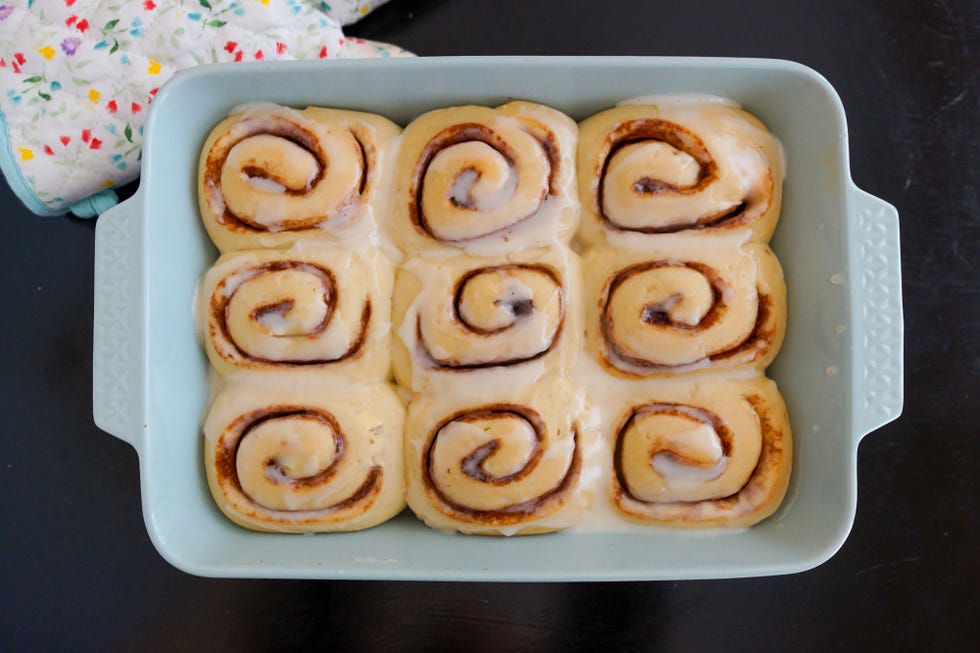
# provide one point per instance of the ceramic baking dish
(840, 369)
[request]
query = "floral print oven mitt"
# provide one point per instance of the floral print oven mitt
(77, 76)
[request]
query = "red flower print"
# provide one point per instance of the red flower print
(230, 46)
(323, 52)
(69, 3)
(340, 41)
(280, 47)
(3, 63)
(153, 91)
(82, 25)
(65, 140)
(86, 135)
(135, 108)
(95, 144)
(71, 20)
(238, 56)
(149, 5)
(20, 58)
(48, 150)
(111, 106)
(259, 56)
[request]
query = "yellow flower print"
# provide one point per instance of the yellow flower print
(94, 95)
(154, 67)
(108, 183)
(366, 8)
(47, 51)
(26, 154)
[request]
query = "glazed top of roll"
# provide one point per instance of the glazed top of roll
(486, 181)
(269, 175)
(677, 164)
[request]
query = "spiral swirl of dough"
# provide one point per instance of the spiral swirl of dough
(286, 313)
(664, 313)
(312, 457)
(474, 180)
(487, 181)
(280, 171)
(656, 169)
(290, 458)
(269, 176)
(715, 456)
(497, 316)
(499, 465)
(308, 310)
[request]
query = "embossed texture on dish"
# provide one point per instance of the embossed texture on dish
(840, 369)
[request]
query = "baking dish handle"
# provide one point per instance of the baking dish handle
(877, 312)
(118, 322)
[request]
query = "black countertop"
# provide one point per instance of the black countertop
(78, 571)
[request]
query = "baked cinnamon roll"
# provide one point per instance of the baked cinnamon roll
(487, 181)
(311, 310)
(269, 176)
(499, 460)
(714, 453)
(469, 319)
(677, 165)
(306, 457)
(672, 311)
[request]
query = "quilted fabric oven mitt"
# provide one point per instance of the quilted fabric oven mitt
(77, 76)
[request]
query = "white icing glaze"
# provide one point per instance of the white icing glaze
(266, 185)
(433, 306)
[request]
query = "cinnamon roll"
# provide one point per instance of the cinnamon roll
(714, 453)
(311, 310)
(666, 312)
(269, 176)
(472, 319)
(484, 180)
(497, 460)
(677, 165)
(306, 457)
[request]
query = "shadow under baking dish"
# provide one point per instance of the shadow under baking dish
(152, 250)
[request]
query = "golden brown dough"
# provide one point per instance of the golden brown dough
(501, 460)
(271, 175)
(484, 180)
(665, 312)
(467, 319)
(313, 310)
(306, 457)
(702, 454)
(676, 165)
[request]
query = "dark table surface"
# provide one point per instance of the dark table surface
(78, 572)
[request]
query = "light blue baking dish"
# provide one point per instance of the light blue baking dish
(840, 368)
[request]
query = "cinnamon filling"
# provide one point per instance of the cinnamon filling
(226, 455)
(694, 413)
(472, 466)
(519, 308)
(658, 315)
(296, 134)
(755, 490)
(652, 129)
(467, 132)
(220, 303)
